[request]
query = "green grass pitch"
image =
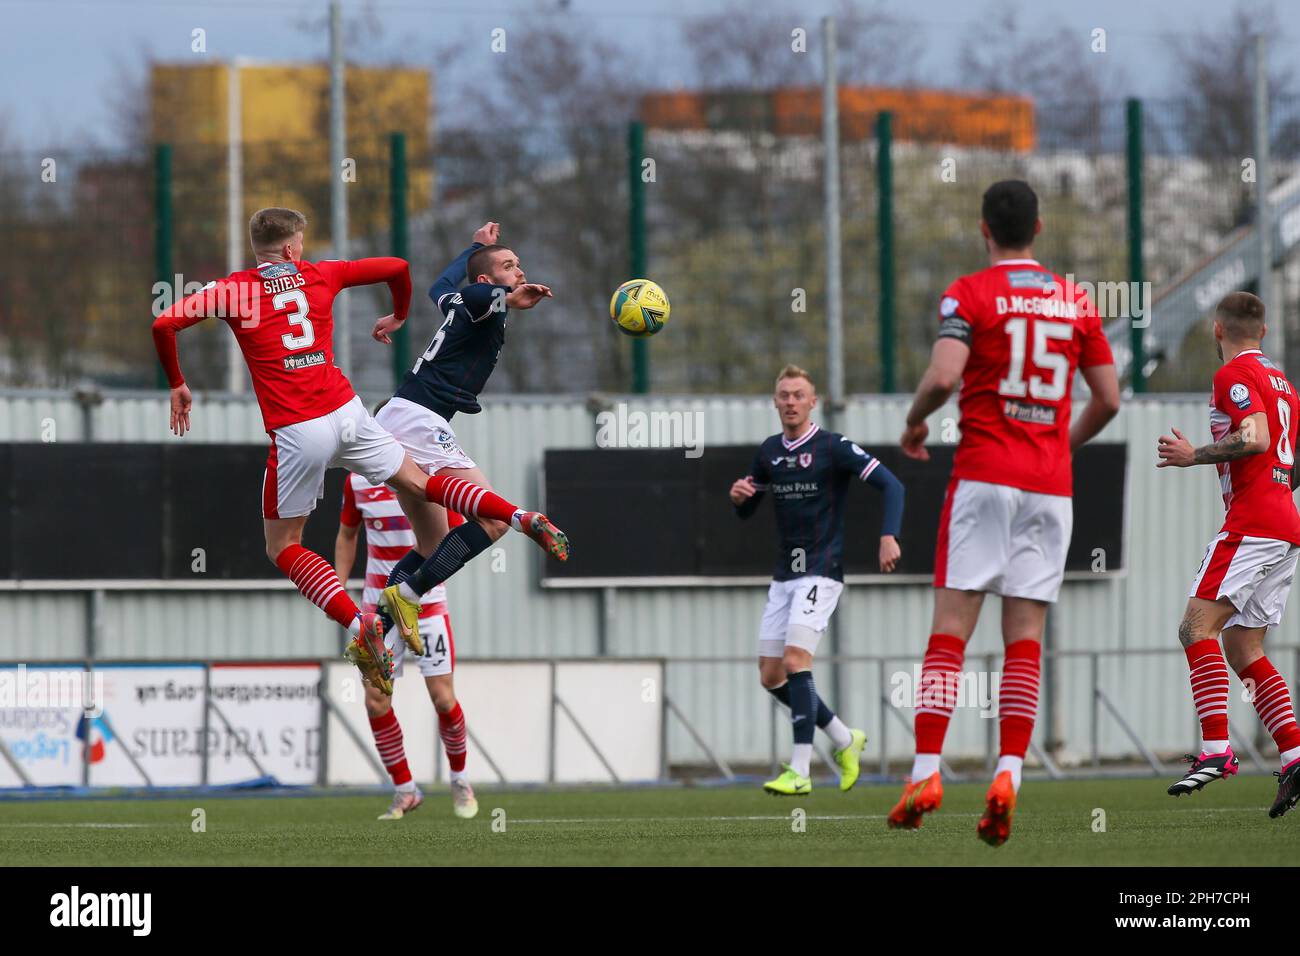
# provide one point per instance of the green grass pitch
(664, 826)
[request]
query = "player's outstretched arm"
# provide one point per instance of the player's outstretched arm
(345, 274)
(452, 276)
(1251, 438)
(214, 300)
(947, 362)
(1103, 404)
(527, 295)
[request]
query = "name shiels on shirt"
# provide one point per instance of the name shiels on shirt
(283, 283)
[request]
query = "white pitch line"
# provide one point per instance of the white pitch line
(93, 826)
(785, 817)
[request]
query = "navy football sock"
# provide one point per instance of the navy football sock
(824, 714)
(408, 565)
(456, 550)
(403, 569)
(803, 706)
(782, 693)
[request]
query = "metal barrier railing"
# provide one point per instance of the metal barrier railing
(1063, 665)
(1103, 711)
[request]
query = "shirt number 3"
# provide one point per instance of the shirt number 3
(298, 317)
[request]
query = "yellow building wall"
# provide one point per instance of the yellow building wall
(285, 131)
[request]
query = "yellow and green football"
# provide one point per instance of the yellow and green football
(639, 308)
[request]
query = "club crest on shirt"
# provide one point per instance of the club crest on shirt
(805, 459)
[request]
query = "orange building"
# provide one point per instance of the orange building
(993, 120)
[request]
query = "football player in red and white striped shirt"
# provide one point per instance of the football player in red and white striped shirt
(388, 538)
(1245, 577)
(281, 313)
(1011, 336)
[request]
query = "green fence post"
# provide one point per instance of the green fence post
(162, 227)
(636, 243)
(885, 229)
(1134, 123)
(397, 199)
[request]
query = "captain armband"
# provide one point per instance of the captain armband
(955, 327)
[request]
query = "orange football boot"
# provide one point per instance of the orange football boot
(995, 826)
(917, 800)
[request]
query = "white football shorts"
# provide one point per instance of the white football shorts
(1254, 574)
(1002, 540)
(436, 632)
(427, 436)
(795, 608)
(347, 437)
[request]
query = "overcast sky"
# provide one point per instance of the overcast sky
(60, 59)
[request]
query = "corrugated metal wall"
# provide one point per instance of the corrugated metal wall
(499, 609)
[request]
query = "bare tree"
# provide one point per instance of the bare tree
(546, 155)
(747, 49)
(1215, 77)
(1058, 65)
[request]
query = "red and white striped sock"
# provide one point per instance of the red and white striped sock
(1209, 677)
(451, 727)
(1017, 705)
(1272, 702)
(392, 751)
(936, 698)
(315, 578)
(470, 499)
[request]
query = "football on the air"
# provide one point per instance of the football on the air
(639, 308)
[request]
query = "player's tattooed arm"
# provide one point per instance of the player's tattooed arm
(1230, 447)
(1250, 439)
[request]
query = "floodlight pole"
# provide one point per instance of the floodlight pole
(834, 300)
(1263, 215)
(338, 189)
(831, 144)
(235, 261)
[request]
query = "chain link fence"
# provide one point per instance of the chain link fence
(735, 234)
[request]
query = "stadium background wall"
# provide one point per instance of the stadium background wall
(688, 528)
(707, 634)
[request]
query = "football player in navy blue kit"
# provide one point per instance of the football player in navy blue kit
(445, 380)
(807, 472)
